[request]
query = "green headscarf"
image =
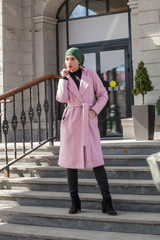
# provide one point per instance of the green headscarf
(77, 53)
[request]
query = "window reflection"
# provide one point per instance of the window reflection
(117, 6)
(79, 11)
(96, 7)
(115, 109)
(77, 8)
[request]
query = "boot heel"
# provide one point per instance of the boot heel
(107, 207)
(76, 205)
(79, 207)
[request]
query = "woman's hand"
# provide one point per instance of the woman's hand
(64, 72)
(93, 113)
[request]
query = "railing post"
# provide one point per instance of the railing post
(39, 110)
(31, 116)
(50, 117)
(56, 135)
(5, 128)
(6, 172)
(0, 125)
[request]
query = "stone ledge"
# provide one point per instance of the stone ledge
(128, 130)
(44, 19)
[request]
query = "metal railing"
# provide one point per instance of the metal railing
(38, 98)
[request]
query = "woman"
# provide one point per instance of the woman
(80, 145)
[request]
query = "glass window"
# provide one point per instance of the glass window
(83, 8)
(117, 6)
(76, 8)
(96, 7)
(62, 13)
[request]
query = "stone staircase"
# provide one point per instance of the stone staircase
(34, 201)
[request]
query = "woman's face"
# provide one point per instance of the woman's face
(72, 63)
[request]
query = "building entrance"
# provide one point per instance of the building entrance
(104, 37)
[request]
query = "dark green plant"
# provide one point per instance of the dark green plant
(158, 105)
(142, 83)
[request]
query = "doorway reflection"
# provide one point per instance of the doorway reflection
(115, 109)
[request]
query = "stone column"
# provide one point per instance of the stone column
(135, 36)
(44, 48)
(45, 45)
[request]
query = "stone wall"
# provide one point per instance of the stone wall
(1, 49)
(145, 27)
(29, 41)
(28, 47)
(12, 44)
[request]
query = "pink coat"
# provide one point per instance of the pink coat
(80, 145)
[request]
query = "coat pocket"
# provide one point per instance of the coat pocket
(65, 115)
(94, 120)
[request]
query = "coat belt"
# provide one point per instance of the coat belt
(85, 124)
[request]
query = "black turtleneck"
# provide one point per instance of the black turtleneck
(76, 76)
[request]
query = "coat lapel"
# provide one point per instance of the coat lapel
(84, 83)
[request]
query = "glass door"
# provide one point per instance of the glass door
(113, 76)
(112, 65)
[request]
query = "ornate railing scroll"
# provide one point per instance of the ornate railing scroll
(31, 117)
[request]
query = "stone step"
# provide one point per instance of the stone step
(29, 232)
(46, 149)
(51, 160)
(111, 147)
(124, 147)
(131, 150)
(125, 160)
(139, 203)
(113, 172)
(33, 160)
(131, 222)
(117, 186)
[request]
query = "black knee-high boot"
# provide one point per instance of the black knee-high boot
(101, 177)
(72, 177)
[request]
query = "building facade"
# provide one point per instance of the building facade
(34, 35)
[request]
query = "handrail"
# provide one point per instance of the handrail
(27, 85)
(45, 95)
(8, 101)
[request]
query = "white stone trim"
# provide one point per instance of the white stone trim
(156, 39)
(133, 4)
(44, 19)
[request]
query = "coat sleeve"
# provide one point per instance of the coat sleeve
(101, 93)
(62, 91)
